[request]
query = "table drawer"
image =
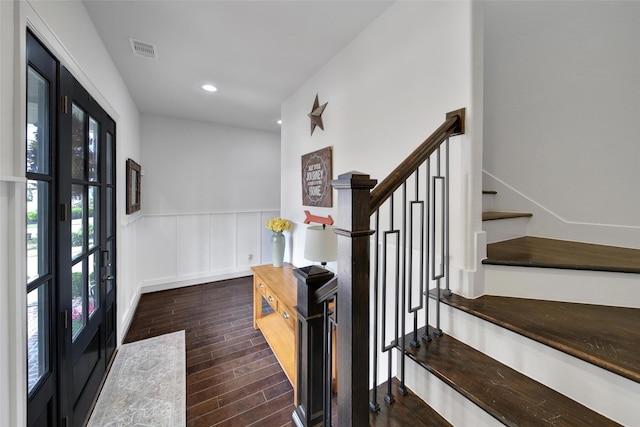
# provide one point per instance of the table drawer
(288, 315)
(271, 299)
(262, 288)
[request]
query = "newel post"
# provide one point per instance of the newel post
(354, 232)
(309, 341)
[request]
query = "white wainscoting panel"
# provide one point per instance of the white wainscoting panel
(157, 248)
(249, 239)
(223, 241)
(178, 250)
(266, 236)
(193, 245)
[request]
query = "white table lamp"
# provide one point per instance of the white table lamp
(321, 244)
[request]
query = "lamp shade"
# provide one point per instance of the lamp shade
(321, 244)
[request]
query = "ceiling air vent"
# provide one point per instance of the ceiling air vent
(146, 50)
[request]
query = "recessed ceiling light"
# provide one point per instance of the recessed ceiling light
(279, 122)
(209, 88)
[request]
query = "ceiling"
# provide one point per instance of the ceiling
(257, 53)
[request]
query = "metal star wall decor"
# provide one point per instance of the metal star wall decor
(316, 114)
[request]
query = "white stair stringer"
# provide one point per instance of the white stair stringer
(602, 391)
(554, 284)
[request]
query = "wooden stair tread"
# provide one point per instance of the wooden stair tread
(512, 398)
(494, 215)
(405, 411)
(551, 253)
(575, 329)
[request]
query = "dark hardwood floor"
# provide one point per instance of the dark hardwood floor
(233, 378)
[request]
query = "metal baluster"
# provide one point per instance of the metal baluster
(326, 347)
(402, 389)
(333, 323)
(373, 404)
(386, 348)
(415, 343)
(426, 336)
(437, 331)
(447, 291)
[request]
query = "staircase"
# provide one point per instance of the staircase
(566, 352)
(527, 353)
(524, 362)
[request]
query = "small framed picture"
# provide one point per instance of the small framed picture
(133, 186)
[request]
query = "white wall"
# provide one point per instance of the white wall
(562, 84)
(65, 28)
(9, 401)
(387, 91)
(207, 191)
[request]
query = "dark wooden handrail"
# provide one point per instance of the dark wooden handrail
(327, 291)
(453, 125)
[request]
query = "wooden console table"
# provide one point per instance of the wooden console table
(278, 286)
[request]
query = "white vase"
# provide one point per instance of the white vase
(277, 248)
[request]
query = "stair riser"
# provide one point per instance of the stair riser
(611, 395)
(552, 284)
(457, 409)
(488, 202)
(505, 229)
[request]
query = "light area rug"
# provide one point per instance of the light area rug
(145, 385)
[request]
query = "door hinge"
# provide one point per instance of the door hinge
(63, 212)
(65, 317)
(65, 101)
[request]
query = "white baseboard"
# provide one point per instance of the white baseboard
(127, 317)
(164, 284)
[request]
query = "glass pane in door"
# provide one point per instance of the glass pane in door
(94, 292)
(109, 154)
(78, 117)
(37, 335)
(37, 123)
(94, 212)
(37, 229)
(93, 149)
(78, 286)
(77, 220)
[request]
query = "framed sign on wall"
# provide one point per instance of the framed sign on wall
(316, 179)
